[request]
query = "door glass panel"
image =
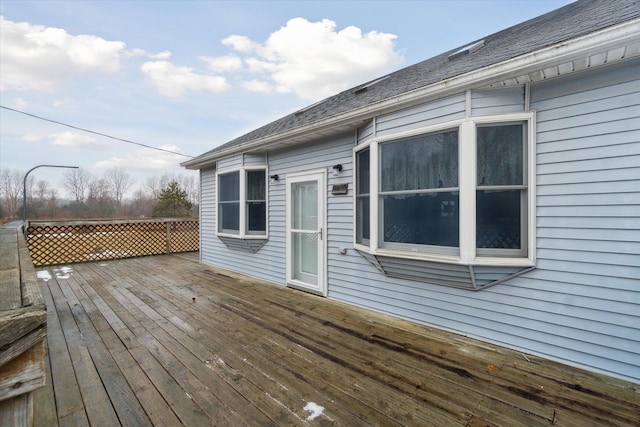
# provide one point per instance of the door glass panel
(305, 257)
(304, 234)
(305, 206)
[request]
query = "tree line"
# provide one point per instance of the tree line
(94, 196)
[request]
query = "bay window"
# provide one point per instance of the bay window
(457, 194)
(242, 203)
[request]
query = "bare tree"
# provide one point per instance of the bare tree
(189, 183)
(99, 196)
(119, 182)
(52, 203)
(142, 203)
(153, 186)
(41, 191)
(76, 182)
(11, 189)
(31, 187)
(166, 179)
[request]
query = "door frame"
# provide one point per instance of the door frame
(319, 175)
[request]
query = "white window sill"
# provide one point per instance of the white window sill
(450, 259)
(243, 237)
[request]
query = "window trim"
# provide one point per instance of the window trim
(243, 234)
(467, 197)
(509, 253)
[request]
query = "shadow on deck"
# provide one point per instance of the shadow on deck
(167, 341)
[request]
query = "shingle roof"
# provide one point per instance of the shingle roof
(569, 22)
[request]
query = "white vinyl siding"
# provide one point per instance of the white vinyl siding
(230, 163)
(365, 133)
(440, 111)
(208, 219)
(490, 102)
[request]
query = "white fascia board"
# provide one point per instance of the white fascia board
(600, 41)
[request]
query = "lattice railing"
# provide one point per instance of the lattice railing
(79, 241)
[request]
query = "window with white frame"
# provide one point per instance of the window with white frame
(362, 197)
(501, 189)
(418, 196)
(459, 192)
(242, 203)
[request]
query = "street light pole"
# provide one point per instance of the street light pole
(24, 188)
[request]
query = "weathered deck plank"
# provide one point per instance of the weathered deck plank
(67, 398)
(173, 342)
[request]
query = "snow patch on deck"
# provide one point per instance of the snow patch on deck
(44, 275)
(315, 409)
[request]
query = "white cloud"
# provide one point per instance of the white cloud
(136, 52)
(240, 43)
(314, 60)
(31, 137)
(145, 160)
(35, 57)
(165, 54)
(20, 103)
(77, 141)
(258, 66)
(223, 64)
(258, 86)
(172, 80)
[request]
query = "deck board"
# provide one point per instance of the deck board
(167, 341)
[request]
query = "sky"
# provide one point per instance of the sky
(187, 76)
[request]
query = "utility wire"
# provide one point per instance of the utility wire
(94, 132)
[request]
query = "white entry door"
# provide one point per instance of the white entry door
(306, 250)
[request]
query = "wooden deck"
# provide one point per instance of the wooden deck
(167, 341)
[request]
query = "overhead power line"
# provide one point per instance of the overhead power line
(94, 132)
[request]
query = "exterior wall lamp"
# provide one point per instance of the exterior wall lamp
(337, 169)
(273, 177)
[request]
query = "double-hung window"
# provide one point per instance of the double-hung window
(418, 197)
(362, 197)
(501, 189)
(459, 193)
(242, 203)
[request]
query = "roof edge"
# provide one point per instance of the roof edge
(559, 53)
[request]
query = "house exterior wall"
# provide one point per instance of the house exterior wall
(269, 262)
(581, 305)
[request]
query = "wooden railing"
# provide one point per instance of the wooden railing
(23, 329)
(53, 243)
